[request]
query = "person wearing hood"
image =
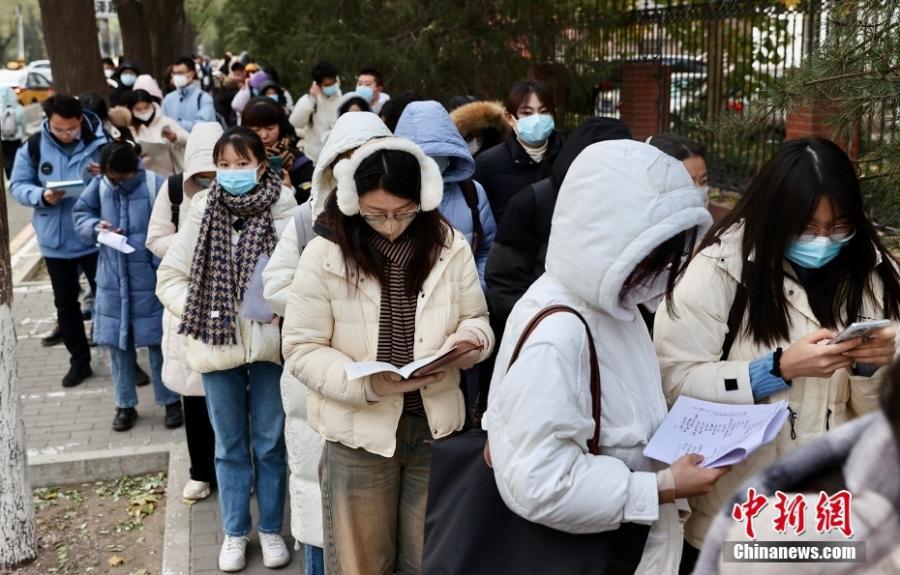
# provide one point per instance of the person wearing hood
(148, 124)
(863, 457)
(481, 124)
(625, 217)
(170, 213)
(304, 444)
(67, 148)
(127, 314)
(125, 77)
(795, 262)
(529, 151)
(387, 279)
(353, 102)
(188, 104)
(12, 126)
(148, 84)
(520, 248)
(316, 112)
(464, 204)
(211, 280)
(252, 87)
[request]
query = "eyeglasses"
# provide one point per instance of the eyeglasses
(838, 233)
(398, 217)
(65, 133)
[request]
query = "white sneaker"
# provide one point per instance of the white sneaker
(233, 555)
(275, 552)
(195, 490)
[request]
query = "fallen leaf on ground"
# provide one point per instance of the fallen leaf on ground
(115, 561)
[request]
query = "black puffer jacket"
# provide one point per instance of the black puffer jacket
(507, 168)
(517, 257)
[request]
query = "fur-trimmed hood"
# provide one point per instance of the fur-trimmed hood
(470, 119)
(432, 186)
(120, 116)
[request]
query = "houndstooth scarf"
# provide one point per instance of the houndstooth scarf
(221, 272)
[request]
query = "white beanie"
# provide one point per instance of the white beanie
(432, 184)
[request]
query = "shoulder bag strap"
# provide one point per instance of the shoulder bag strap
(594, 443)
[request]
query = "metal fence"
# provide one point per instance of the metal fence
(722, 56)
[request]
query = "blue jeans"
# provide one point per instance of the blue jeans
(245, 410)
(315, 560)
(121, 366)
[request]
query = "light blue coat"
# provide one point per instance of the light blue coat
(53, 224)
(126, 283)
(8, 100)
(188, 106)
(429, 125)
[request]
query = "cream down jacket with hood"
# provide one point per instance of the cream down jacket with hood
(332, 318)
(304, 444)
(690, 353)
(161, 234)
(620, 200)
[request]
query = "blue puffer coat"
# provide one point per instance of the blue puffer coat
(429, 125)
(126, 283)
(53, 224)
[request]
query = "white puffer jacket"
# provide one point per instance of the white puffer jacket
(161, 234)
(255, 341)
(304, 444)
(171, 163)
(620, 200)
(690, 352)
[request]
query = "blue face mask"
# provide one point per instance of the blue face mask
(443, 162)
(365, 93)
(814, 254)
(331, 90)
(535, 129)
(237, 182)
(128, 79)
(274, 97)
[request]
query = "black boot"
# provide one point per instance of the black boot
(174, 415)
(125, 418)
(77, 374)
(140, 376)
(53, 338)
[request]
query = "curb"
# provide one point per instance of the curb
(108, 464)
(26, 256)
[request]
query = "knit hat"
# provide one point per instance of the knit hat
(147, 83)
(432, 184)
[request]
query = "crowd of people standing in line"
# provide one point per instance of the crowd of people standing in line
(274, 241)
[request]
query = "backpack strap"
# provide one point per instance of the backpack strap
(470, 193)
(176, 196)
(34, 150)
(735, 316)
(545, 202)
(304, 225)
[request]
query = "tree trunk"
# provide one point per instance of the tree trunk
(70, 32)
(17, 537)
(155, 33)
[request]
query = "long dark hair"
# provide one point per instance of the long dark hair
(774, 211)
(672, 255)
(262, 111)
(399, 174)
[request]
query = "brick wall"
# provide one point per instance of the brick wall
(644, 100)
(815, 120)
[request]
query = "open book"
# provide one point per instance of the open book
(724, 434)
(417, 368)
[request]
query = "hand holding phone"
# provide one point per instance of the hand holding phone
(863, 329)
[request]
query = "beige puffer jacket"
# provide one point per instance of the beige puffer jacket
(161, 234)
(171, 163)
(690, 348)
(255, 341)
(329, 323)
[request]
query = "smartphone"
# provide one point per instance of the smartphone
(863, 329)
(277, 163)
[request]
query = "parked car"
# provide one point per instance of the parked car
(42, 66)
(31, 86)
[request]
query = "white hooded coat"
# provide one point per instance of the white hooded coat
(304, 444)
(620, 200)
(198, 158)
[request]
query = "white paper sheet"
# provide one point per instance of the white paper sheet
(724, 434)
(115, 241)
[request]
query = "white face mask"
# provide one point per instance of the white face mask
(474, 145)
(108, 72)
(180, 80)
(144, 116)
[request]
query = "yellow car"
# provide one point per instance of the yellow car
(31, 86)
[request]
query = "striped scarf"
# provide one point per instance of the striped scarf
(397, 323)
(220, 272)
